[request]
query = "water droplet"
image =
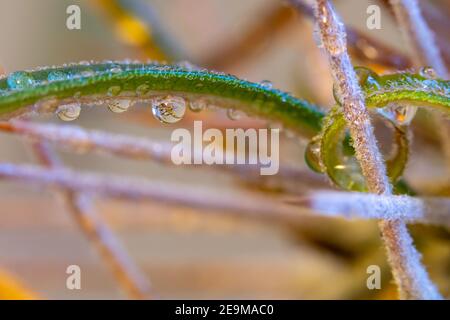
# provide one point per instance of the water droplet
(337, 96)
(87, 73)
(198, 105)
(56, 76)
(115, 69)
(69, 112)
(142, 89)
(20, 80)
(170, 109)
(266, 84)
(312, 155)
(113, 91)
(399, 114)
(188, 66)
(119, 106)
(233, 114)
(428, 72)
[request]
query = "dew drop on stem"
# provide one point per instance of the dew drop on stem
(170, 109)
(233, 114)
(398, 113)
(312, 155)
(197, 105)
(69, 112)
(428, 72)
(56, 76)
(266, 84)
(118, 106)
(20, 80)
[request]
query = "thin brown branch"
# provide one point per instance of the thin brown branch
(268, 26)
(77, 139)
(358, 205)
(132, 280)
(242, 204)
(416, 31)
(411, 277)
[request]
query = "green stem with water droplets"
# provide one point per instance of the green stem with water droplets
(92, 82)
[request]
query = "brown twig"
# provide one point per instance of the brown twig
(411, 277)
(244, 204)
(269, 25)
(77, 139)
(132, 280)
(252, 204)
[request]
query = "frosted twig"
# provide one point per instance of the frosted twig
(362, 46)
(411, 277)
(370, 206)
(77, 138)
(425, 53)
(248, 203)
(133, 281)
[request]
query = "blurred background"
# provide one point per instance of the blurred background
(187, 252)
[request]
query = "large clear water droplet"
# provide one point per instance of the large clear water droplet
(399, 114)
(118, 106)
(20, 80)
(69, 112)
(170, 109)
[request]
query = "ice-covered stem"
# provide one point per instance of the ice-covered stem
(80, 205)
(79, 139)
(411, 277)
(361, 45)
(245, 204)
(425, 53)
(333, 39)
(359, 205)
